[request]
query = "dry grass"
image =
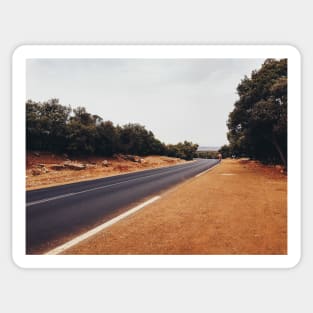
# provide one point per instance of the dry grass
(238, 207)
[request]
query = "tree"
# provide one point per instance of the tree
(82, 132)
(50, 127)
(54, 121)
(136, 139)
(184, 150)
(83, 117)
(258, 123)
(46, 125)
(226, 151)
(33, 125)
(106, 141)
(81, 139)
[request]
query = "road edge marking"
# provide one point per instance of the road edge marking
(88, 190)
(209, 169)
(99, 228)
(177, 186)
(110, 176)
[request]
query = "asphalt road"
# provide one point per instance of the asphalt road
(57, 214)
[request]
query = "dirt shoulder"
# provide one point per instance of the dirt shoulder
(47, 170)
(239, 207)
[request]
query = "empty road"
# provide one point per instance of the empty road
(57, 214)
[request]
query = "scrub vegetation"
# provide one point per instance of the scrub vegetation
(53, 127)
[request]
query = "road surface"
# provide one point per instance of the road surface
(57, 214)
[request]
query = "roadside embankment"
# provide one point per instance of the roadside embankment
(239, 207)
(47, 170)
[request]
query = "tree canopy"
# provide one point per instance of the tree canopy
(258, 123)
(53, 127)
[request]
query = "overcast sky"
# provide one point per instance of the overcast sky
(178, 99)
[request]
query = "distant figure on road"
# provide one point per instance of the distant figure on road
(219, 157)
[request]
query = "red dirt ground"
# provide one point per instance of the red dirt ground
(239, 207)
(94, 168)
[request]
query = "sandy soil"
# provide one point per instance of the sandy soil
(239, 207)
(94, 168)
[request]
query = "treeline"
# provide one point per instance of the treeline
(56, 128)
(207, 154)
(258, 124)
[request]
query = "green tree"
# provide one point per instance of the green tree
(226, 151)
(184, 150)
(81, 139)
(136, 139)
(258, 123)
(82, 132)
(106, 141)
(83, 117)
(51, 127)
(46, 125)
(33, 125)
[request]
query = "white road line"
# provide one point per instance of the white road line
(50, 199)
(99, 228)
(211, 168)
(91, 189)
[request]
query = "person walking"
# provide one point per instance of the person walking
(219, 157)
